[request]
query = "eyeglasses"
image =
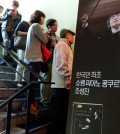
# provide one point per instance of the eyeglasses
(55, 25)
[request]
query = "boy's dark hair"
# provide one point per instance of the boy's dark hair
(50, 22)
(35, 17)
(15, 3)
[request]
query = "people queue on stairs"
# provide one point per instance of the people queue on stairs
(59, 67)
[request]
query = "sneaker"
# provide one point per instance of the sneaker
(24, 109)
(20, 85)
(33, 109)
(38, 106)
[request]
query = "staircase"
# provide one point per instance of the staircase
(38, 121)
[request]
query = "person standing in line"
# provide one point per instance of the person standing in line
(11, 18)
(61, 75)
(45, 90)
(21, 30)
(33, 54)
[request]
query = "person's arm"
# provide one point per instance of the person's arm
(20, 29)
(5, 15)
(49, 41)
(22, 33)
(38, 32)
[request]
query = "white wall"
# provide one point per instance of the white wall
(65, 11)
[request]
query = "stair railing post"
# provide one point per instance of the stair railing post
(8, 119)
(28, 112)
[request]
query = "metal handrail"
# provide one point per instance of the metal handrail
(22, 62)
(15, 95)
(9, 102)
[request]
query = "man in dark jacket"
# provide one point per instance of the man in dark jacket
(10, 18)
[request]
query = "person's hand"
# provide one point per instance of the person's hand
(84, 18)
(68, 83)
(11, 12)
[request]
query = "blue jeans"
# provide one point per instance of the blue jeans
(36, 68)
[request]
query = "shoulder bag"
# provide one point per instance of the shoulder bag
(20, 42)
(46, 53)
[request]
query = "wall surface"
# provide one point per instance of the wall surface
(65, 11)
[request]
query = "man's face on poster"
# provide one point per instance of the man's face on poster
(115, 21)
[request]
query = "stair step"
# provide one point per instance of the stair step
(7, 76)
(18, 119)
(7, 84)
(39, 120)
(5, 93)
(44, 113)
(15, 106)
(18, 103)
(2, 115)
(39, 126)
(15, 130)
(7, 69)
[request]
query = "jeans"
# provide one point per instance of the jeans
(45, 89)
(36, 68)
(7, 41)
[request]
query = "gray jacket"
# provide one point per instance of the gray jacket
(33, 48)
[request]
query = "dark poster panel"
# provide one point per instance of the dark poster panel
(96, 69)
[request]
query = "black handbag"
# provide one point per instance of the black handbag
(20, 42)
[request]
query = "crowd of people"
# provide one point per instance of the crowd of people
(59, 66)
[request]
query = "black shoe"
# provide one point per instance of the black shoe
(12, 63)
(2, 63)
